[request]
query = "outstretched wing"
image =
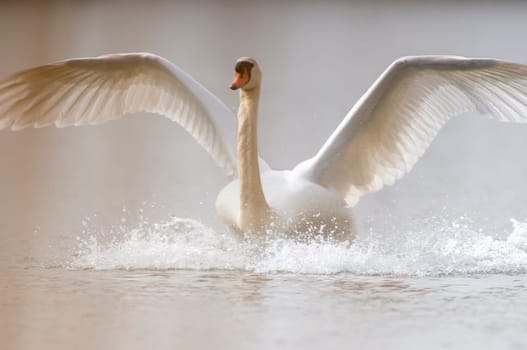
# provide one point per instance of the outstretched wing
(89, 91)
(392, 125)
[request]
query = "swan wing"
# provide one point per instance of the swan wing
(90, 91)
(392, 125)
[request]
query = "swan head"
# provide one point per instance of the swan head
(247, 74)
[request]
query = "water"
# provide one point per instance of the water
(108, 236)
(433, 249)
(201, 309)
(180, 284)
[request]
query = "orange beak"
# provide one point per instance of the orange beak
(239, 81)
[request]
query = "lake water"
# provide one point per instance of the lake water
(109, 238)
(178, 284)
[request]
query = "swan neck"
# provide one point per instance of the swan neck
(248, 109)
(254, 210)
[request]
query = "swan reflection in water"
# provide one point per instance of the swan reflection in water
(378, 141)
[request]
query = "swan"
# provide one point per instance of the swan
(377, 142)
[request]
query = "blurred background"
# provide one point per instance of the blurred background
(318, 57)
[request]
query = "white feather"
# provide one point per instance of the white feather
(392, 125)
(90, 91)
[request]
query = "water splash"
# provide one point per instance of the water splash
(438, 247)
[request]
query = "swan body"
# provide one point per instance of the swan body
(377, 142)
(302, 208)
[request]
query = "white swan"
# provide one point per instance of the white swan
(379, 140)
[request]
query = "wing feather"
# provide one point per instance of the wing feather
(89, 91)
(392, 125)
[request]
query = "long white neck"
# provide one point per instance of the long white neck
(254, 210)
